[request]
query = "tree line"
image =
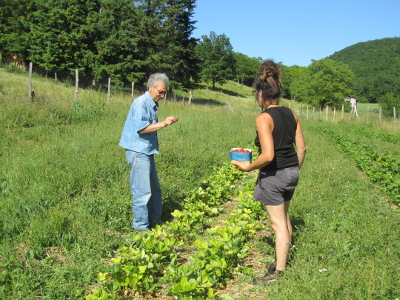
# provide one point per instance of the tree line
(128, 40)
(125, 40)
(368, 71)
(376, 66)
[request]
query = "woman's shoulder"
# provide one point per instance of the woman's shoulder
(264, 117)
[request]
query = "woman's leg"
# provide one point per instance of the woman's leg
(288, 223)
(283, 232)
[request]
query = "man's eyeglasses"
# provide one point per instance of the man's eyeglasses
(160, 92)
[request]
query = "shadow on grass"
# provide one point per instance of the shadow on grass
(206, 102)
(196, 101)
(170, 204)
(226, 92)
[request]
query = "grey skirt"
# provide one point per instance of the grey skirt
(276, 187)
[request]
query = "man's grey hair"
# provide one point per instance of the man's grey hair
(156, 77)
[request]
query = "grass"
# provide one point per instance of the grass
(66, 203)
(344, 225)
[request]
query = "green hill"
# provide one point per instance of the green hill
(376, 65)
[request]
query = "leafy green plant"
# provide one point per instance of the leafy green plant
(381, 169)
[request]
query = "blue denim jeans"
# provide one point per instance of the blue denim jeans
(146, 190)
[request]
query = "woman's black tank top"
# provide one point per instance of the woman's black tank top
(284, 133)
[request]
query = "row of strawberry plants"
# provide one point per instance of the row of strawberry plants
(219, 253)
(380, 169)
(153, 259)
(391, 138)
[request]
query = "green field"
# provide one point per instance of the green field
(66, 204)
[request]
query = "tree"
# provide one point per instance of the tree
(57, 39)
(165, 28)
(217, 60)
(246, 68)
(15, 18)
(115, 35)
(326, 83)
(289, 75)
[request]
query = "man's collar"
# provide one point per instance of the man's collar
(153, 103)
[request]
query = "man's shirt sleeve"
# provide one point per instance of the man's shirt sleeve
(141, 117)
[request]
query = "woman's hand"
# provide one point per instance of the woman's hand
(240, 166)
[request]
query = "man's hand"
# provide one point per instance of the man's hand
(159, 125)
(170, 120)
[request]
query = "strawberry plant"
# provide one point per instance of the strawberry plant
(381, 169)
(153, 259)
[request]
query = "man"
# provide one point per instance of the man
(353, 102)
(139, 138)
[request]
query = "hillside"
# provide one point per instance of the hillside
(376, 65)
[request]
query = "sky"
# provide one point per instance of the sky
(296, 31)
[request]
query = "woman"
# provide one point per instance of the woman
(278, 130)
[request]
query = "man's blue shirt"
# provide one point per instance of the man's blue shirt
(142, 113)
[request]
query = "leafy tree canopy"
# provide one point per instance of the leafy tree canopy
(123, 39)
(246, 68)
(217, 59)
(289, 75)
(326, 83)
(15, 18)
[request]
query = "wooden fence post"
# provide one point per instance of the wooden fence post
(108, 91)
(30, 83)
(76, 83)
(191, 96)
(394, 118)
(342, 111)
(326, 114)
(133, 88)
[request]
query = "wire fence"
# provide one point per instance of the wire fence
(366, 112)
(104, 85)
(370, 113)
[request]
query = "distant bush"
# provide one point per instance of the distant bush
(14, 69)
(387, 102)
